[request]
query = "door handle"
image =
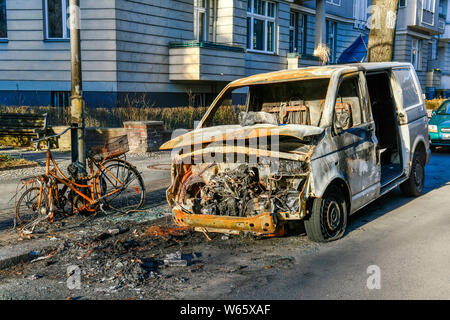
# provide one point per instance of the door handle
(379, 152)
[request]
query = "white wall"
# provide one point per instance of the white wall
(28, 62)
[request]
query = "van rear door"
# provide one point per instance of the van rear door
(411, 111)
(407, 94)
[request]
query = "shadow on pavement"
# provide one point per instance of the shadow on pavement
(6, 224)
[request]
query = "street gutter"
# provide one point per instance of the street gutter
(24, 252)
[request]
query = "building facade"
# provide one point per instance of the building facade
(422, 38)
(179, 52)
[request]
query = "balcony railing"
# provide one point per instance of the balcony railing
(205, 61)
(428, 17)
(423, 20)
(433, 78)
(441, 25)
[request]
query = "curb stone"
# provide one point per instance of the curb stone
(24, 252)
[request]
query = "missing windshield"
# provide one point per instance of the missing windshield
(294, 102)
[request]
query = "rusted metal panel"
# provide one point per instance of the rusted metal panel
(261, 224)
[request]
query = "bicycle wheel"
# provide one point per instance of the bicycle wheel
(124, 184)
(29, 207)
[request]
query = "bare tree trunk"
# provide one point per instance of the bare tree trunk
(382, 30)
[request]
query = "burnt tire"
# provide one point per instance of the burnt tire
(328, 218)
(119, 173)
(29, 208)
(413, 187)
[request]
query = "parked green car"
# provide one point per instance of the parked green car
(439, 126)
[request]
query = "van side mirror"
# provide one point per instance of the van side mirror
(338, 128)
(342, 120)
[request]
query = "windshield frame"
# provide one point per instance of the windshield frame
(324, 121)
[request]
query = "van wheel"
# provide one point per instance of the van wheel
(413, 187)
(328, 218)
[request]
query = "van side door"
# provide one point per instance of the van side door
(354, 136)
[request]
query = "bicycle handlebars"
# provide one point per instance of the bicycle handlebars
(53, 136)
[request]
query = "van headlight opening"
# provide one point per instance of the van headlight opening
(432, 128)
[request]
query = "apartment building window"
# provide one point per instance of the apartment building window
(60, 100)
(335, 2)
(360, 13)
(201, 20)
(297, 32)
(56, 13)
(434, 49)
(261, 25)
(443, 9)
(402, 3)
(331, 39)
(428, 5)
(3, 20)
(293, 35)
(416, 54)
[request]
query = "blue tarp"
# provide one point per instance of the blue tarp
(357, 52)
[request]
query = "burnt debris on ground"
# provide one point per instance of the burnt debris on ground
(147, 260)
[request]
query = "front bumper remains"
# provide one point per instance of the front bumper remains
(262, 224)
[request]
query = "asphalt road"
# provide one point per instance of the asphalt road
(408, 239)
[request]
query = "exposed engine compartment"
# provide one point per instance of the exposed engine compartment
(248, 178)
(243, 189)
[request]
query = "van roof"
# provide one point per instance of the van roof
(313, 72)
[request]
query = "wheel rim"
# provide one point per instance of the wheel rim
(418, 175)
(332, 218)
(333, 215)
(27, 208)
(130, 198)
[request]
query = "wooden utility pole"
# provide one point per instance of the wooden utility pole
(76, 99)
(382, 30)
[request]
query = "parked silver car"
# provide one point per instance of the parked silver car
(313, 144)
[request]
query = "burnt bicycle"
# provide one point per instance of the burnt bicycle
(110, 183)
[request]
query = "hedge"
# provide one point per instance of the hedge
(173, 118)
(433, 104)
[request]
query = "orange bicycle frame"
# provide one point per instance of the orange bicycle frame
(72, 185)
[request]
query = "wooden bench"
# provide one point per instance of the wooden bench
(19, 124)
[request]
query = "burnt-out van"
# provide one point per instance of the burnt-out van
(313, 144)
